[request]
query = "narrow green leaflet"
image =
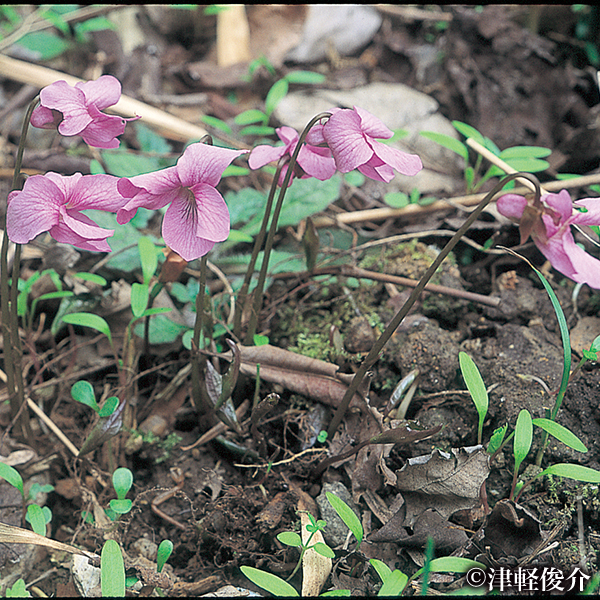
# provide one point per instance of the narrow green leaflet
(112, 571)
(576, 472)
(139, 298)
(394, 584)
(561, 433)
(347, 515)
(476, 388)
(523, 437)
(382, 569)
(89, 320)
(451, 564)
(448, 142)
(290, 538)
(269, 582)
(275, 95)
(122, 481)
(148, 257)
(12, 476)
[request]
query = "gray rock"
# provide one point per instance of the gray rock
(346, 28)
(399, 107)
(336, 531)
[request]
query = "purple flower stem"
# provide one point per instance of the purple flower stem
(260, 284)
(373, 355)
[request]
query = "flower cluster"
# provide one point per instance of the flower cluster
(549, 223)
(197, 216)
(346, 141)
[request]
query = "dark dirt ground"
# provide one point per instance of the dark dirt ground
(518, 75)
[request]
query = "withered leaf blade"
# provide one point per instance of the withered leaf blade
(405, 434)
(104, 429)
(230, 378)
(446, 482)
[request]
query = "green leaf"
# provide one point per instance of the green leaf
(525, 152)
(112, 570)
(476, 388)
(323, 550)
(89, 320)
(269, 582)
(394, 584)
(18, 590)
(139, 298)
(497, 439)
(337, 594)
(347, 515)
(82, 391)
(305, 77)
(109, 407)
(260, 340)
(162, 330)
(123, 163)
(12, 476)
(448, 142)
(355, 178)
(43, 45)
(396, 199)
(35, 517)
(122, 481)
(257, 130)
(121, 506)
(148, 257)
(523, 437)
(382, 569)
(216, 124)
(165, 548)
(274, 96)
(92, 278)
(451, 564)
(235, 171)
(531, 165)
(561, 433)
(251, 116)
(290, 538)
(576, 472)
(94, 24)
(150, 141)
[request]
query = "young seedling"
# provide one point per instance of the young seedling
(165, 549)
(476, 388)
(393, 582)
(348, 516)
(521, 445)
(122, 481)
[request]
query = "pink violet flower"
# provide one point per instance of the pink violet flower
(77, 111)
(351, 136)
(197, 217)
(54, 202)
(549, 224)
(312, 161)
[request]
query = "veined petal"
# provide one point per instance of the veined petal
(317, 162)
(592, 216)
(202, 163)
(33, 210)
(264, 154)
(288, 135)
(45, 118)
(346, 140)
(377, 170)
(82, 225)
(212, 221)
(157, 183)
(104, 91)
(147, 200)
(372, 126)
(63, 234)
(103, 130)
(181, 235)
(404, 163)
(98, 192)
(70, 102)
(561, 203)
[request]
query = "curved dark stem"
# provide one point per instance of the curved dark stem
(10, 322)
(395, 322)
(260, 238)
(260, 284)
(197, 356)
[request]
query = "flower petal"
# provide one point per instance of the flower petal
(404, 163)
(103, 130)
(346, 140)
(63, 234)
(98, 192)
(70, 102)
(592, 216)
(212, 221)
(377, 170)
(33, 210)
(45, 118)
(372, 126)
(511, 206)
(317, 162)
(561, 203)
(264, 154)
(104, 91)
(83, 226)
(202, 163)
(180, 234)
